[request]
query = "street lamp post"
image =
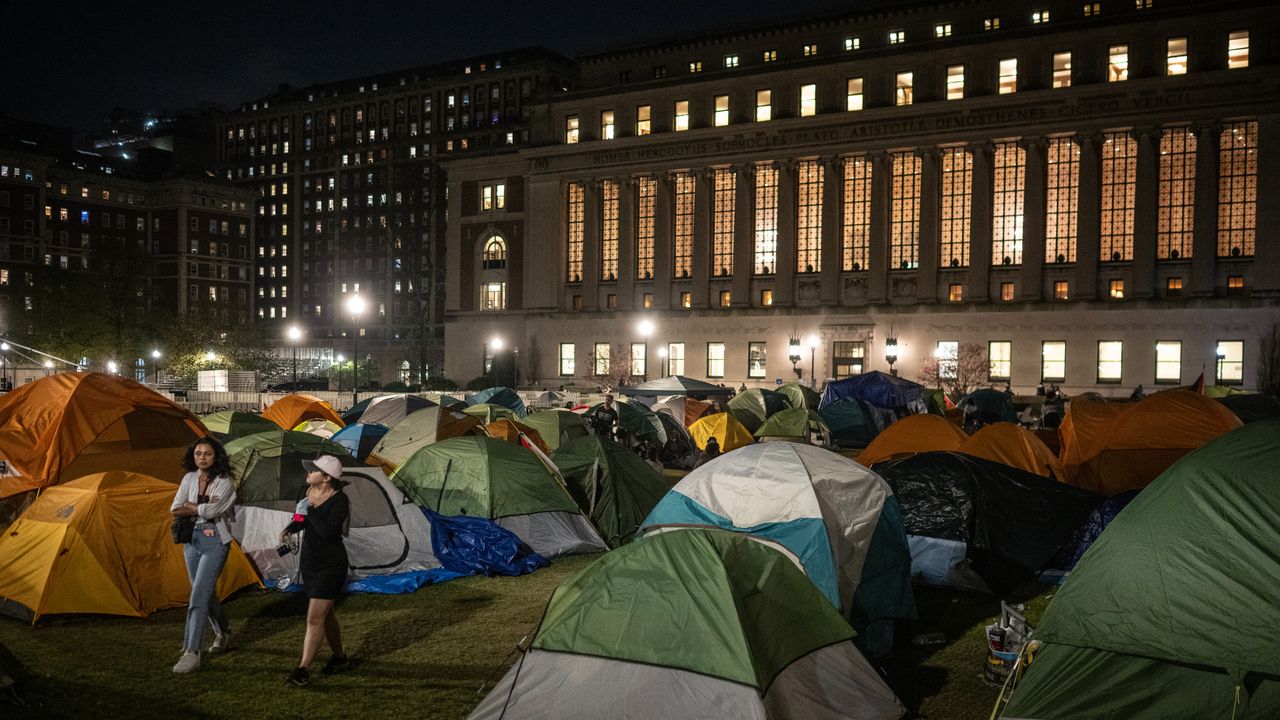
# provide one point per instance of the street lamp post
(891, 353)
(155, 367)
(813, 365)
(646, 329)
(662, 360)
(294, 336)
(339, 360)
(355, 306)
(793, 354)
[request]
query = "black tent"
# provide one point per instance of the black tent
(1252, 407)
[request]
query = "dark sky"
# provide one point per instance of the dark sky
(69, 62)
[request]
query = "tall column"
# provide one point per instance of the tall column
(703, 205)
(591, 245)
(1204, 241)
(1034, 198)
(1146, 188)
(832, 230)
(1266, 255)
(744, 236)
(662, 264)
(626, 243)
(930, 198)
(784, 288)
(1088, 225)
(878, 260)
(980, 229)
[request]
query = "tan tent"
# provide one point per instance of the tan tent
(290, 410)
(912, 435)
(1012, 445)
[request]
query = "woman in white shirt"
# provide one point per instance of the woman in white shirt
(207, 495)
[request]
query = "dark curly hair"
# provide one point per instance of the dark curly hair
(221, 460)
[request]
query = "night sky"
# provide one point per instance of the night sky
(69, 63)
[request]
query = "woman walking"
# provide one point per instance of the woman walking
(207, 496)
(323, 562)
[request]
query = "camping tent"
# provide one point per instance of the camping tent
(837, 519)
(684, 409)
(987, 405)
(910, 435)
(391, 409)
(676, 385)
(887, 392)
(547, 399)
(1012, 445)
(690, 624)
(488, 412)
(557, 427)
(680, 450)
(1171, 614)
(268, 465)
(423, 428)
(852, 422)
(503, 396)
(1252, 407)
(353, 413)
(488, 478)
(360, 438)
(69, 425)
(754, 406)
(635, 421)
(294, 408)
(318, 426)
(981, 525)
(725, 428)
(612, 485)
(516, 433)
(800, 396)
(101, 544)
(1082, 428)
(231, 424)
(797, 424)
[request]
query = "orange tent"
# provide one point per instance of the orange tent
(912, 435)
(69, 425)
(101, 544)
(1147, 437)
(290, 410)
(1082, 428)
(1011, 445)
(510, 431)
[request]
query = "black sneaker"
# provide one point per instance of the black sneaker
(299, 677)
(336, 664)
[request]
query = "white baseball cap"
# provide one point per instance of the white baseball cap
(327, 464)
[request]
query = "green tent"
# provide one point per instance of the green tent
(800, 396)
(852, 421)
(691, 623)
(421, 428)
(490, 478)
(1172, 612)
(267, 466)
(636, 421)
(488, 412)
(797, 424)
(230, 424)
(754, 406)
(557, 427)
(611, 484)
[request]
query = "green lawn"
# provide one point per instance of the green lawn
(425, 655)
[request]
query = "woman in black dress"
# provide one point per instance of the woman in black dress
(323, 562)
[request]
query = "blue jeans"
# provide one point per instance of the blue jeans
(205, 557)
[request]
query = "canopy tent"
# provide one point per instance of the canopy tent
(690, 624)
(319, 427)
(981, 525)
(685, 409)
(911, 435)
(636, 422)
(386, 533)
(360, 438)
(725, 428)
(488, 412)
(100, 544)
(557, 427)
(796, 424)
(987, 405)
(1252, 407)
(231, 424)
(1148, 437)
(391, 409)
(677, 385)
(516, 433)
(612, 485)
(853, 423)
(800, 396)
(294, 408)
(423, 428)
(502, 396)
(68, 425)
(547, 400)
(488, 478)
(1012, 445)
(887, 392)
(752, 407)
(1171, 613)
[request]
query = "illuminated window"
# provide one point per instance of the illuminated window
(770, 56)
(755, 360)
(897, 36)
(682, 115)
(1169, 362)
(1062, 201)
(566, 359)
(852, 43)
(1061, 290)
(1008, 76)
(955, 292)
(695, 66)
(809, 181)
(606, 125)
(1115, 289)
(1176, 195)
(1091, 9)
(764, 105)
(957, 196)
(646, 300)
(682, 232)
(1039, 17)
(1118, 65)
(1119, 167)
(686, 299)
(766, 298)
(991, 23)
(810, 50)
(1000, 360)
(1173, 287)
(715, 360)
(903, 88)
(571, 129)
(1053, 361)
(856, 214)
(600, 358)
(643, 116)
(495, 254)
(1238, 49)
(1237, 188)
(1235, 284)
(576, 227)
(853, 94)
(955, 82)
(848, 358)
(1062, 69)
(638, 359)
(1110, 354)
(646, 211)
(947, 353)
(1009, 182)
(731, 61)
(1175, 58)
(808, 100)
(1230, 355)
(492, 296)
(765, 250)
(725, 197)
(675, 359)
(1142, 4)
(904, 216)
(722, 110)
(609, 229)
(725, 298)
(1007, 292)
(942, 30)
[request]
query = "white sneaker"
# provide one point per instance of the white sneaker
(187, 663)
(221, 642)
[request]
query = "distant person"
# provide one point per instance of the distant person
(605, 417)
(1138, 393)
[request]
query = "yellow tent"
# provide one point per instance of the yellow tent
(101, 544)
(290, 410)
(912, 435)
(725, 428)
(318, 426)
(1011, 445)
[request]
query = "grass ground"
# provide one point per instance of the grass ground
(424, 655)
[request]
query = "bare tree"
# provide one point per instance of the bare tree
(610, 365)
(1269, 361)
(957, 374)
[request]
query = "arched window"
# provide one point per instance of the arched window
(495, 253)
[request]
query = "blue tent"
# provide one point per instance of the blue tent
(887, 392)
(360, 439)
(853, 422)
(504, 396)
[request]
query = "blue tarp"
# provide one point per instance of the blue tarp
(360, 439)
(506, 397)
(1088, 533)
(396, 584)
(479, 546)
(887, 392)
